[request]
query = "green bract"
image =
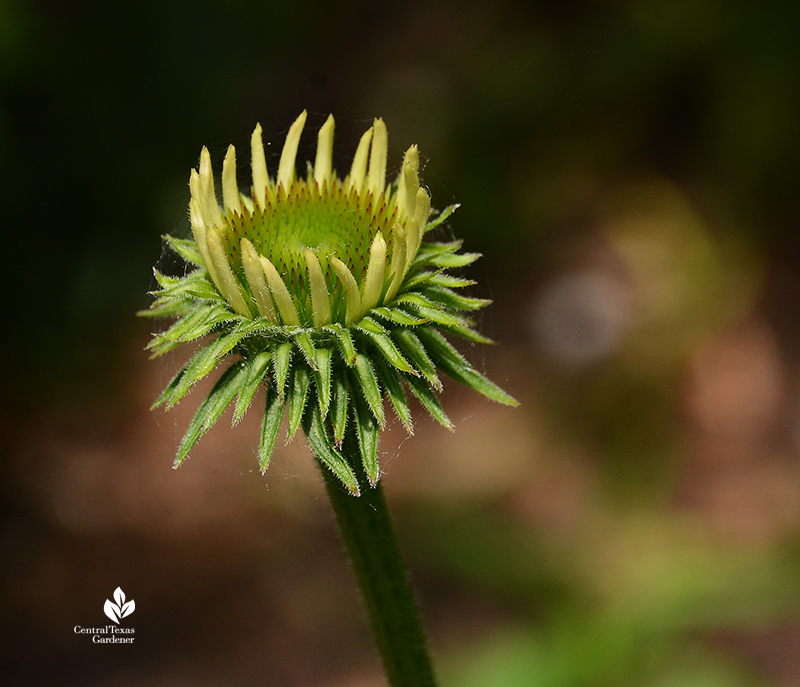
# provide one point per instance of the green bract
(324, 292)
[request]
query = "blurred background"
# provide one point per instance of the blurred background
(628, 168)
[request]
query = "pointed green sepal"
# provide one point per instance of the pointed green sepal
(204, 290)
(196, 284)
(193, 326)
(430, 310)
(339, 408)
(345, 343)
(380, 337)
(202, 363)
(161, 347)
(450, 299)
(306, 346)
(165, 281)
(323, 449)
(428, 251)
(186, 248)
(298, 393)
(416, 353)
(368, 384)
(429, 401)
(444, 319)
(418, 277)
(270, 424)
(448, 281)
(368, 433)
(283, 356)
(453, 364)
(256, 371)
(167, 308)
(470, 335)
(211, 408)
(397, 316)
(169, 390)
(448, 260)
(441, 217)
(390, 380)
(475, 380)
(322, 377)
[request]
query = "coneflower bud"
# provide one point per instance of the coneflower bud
(323, 291)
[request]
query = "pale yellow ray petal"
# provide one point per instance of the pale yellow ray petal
(280, 293)
(376, 177)
(230, 191)
(398, 268)
(226, 282)
(358, 171)
(194, 187)
(373, 282)
(259, 164)
(412, 234)
(199, 233)
(421, 213)
(258, 285)
(289, 152)
(352, 297)
(320, 299)
(409, 183)
(208, 196)
(323, 165)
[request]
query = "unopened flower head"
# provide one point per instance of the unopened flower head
(321, 289)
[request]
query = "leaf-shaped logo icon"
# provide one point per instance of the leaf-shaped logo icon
(112, 611)
(118, 610)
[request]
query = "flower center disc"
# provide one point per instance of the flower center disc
(330, 222)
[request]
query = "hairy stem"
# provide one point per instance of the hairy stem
(366, 527)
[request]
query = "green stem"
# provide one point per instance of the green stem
(366, 527)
